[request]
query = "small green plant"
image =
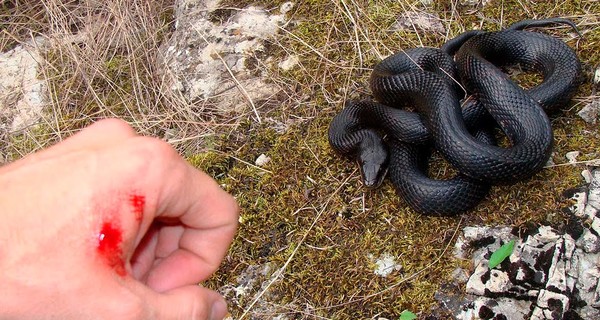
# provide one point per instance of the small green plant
(407, 315)
(502, 253)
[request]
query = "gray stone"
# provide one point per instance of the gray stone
(486, 308)
(549, 275)
(22, 92)
(460, 275)
(206, 60)
(550, 305)
(419, 21)
(589, 242)
(589, 113)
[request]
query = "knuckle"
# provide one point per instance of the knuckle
(113, 124)
(199, 306)
(130, 307)
(154, 147)
(147, 150)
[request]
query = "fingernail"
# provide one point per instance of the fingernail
(218, 311)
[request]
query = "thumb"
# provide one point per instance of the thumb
(190, 302)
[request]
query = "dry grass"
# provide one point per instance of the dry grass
(101, 60)
(304, 214)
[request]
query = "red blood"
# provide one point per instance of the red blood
(110, 239)
(137, 202)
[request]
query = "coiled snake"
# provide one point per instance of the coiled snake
(432, 81)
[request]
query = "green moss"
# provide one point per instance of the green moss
(309, 198)
(23, 144)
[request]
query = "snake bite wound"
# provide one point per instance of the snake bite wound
(137, 203)
(109, 247)
(109, 237)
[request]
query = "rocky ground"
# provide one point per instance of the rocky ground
(22, 92)
(552, 274)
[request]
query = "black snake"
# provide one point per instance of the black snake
(433, 82)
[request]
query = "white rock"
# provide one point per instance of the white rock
(592, 206)
(589, 242)
(590, 112)
(578, 208)
(476, 234)
(419, 20)
(386, 264)
(262, 160)
(497, 281)
(508, 308)
(286, 7)
(256, 22)
(595, 219)
(587, 175)
(589, 312)
(542, 310)
(290, 62)
(589, 275)
(557, 274)
(207, 60)
(22, 94)
(548, 267)
(572, 156)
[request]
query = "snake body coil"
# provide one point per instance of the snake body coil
(426, 80)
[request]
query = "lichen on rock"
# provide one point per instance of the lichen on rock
(205, 58)
(552, 274)
(22, 92)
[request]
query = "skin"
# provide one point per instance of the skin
(54, 203)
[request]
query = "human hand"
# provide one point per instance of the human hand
(111, 225)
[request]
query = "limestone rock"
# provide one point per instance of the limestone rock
(206, 58)
(590, 112)
(418, 20)
(551, 274)
(22, 93)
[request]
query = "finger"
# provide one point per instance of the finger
(100, 133)
(189, 302)
(103, 132)
(209, 215)
(145, 253)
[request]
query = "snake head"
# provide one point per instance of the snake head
(373, 160)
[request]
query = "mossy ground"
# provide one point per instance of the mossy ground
(306, 213)
(312, 200)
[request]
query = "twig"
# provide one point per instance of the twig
(242, 161)
(594, 162)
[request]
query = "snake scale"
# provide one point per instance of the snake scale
(459, 94)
